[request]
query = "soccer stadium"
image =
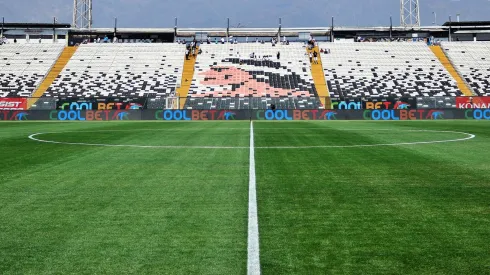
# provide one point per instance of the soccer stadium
(240, 150)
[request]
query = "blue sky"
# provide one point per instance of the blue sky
(249, 13)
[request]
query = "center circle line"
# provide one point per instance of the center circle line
(468, 137)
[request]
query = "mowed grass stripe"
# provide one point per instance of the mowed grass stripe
(401, 209)
(69, 209)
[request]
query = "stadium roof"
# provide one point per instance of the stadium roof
(315, 31)
(468, 24)
(35, 25)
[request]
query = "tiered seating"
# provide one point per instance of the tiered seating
(221, 81)
(23, 67)
(121, 71)
(380, 70)
(472, 61)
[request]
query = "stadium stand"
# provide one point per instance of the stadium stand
(24, 66)
(385, 70)
(439, 53)
(228, 77)
(120, 71)
(472, 60)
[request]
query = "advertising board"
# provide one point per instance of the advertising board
(285, 115)
(13, 103)
(473, 102)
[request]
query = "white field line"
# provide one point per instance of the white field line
(468, 136)
(253, 259)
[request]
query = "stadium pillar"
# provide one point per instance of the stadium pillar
(391, 27)
(331, 32)
(279, 32)
(115, 27)
(54, 29)
(449, 38)
(3, 23)
(228, 30)
(175, 29)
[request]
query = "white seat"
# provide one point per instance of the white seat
(121, 70)
(365, 70)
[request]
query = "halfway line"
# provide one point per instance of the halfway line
(253, 260)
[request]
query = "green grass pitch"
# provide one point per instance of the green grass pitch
(389, 209)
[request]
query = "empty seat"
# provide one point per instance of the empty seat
(471, 60)
(121, 70)
(385, 70)
(227, 77)
(24, 66)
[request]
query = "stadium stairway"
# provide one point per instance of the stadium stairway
(319, 78)
(63, 59)
(187, 75)
(439, 53)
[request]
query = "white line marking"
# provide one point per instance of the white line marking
(131, 145)
(468, 136)
(253, 260)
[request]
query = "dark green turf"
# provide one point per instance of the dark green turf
(409, 209)
(74, 209)
(414, 209)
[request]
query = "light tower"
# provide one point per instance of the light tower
(82, 14)
(409, 13)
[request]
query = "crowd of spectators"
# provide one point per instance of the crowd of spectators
(429, 40)
(233, 40)
(4, 40)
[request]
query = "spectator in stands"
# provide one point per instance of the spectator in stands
(187, 53)
(256, 40)
(40, 40)
(252, 55)
(106, 39)
(311, 57)
(200, 51)
(208, 41)
(98, 39)
(315, 57)
(278, 55)
(114, 40)
(222, 40)
(246, 39)
(15, 40)
(273, 107)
